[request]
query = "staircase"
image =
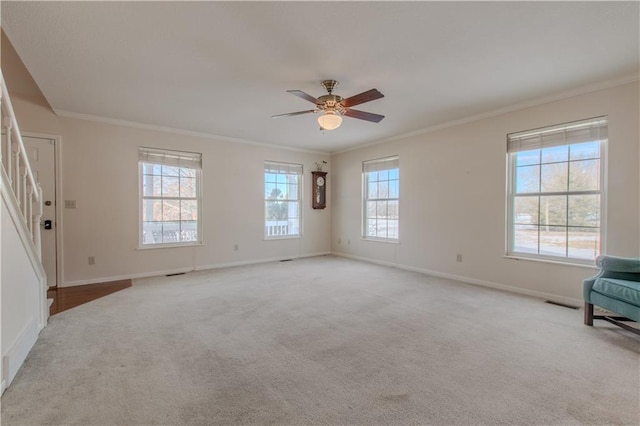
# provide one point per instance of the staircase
(23, 297)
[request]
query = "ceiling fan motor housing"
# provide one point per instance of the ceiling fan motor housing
(329, 102)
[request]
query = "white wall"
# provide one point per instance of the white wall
(452, 196)
(100, 172)
(20, 296)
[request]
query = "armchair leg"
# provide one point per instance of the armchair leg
(588, 313)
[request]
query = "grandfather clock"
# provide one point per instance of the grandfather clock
(319, 190)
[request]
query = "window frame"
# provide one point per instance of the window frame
(142, 197)
(511, 193)
(300, 181)
(365, 197)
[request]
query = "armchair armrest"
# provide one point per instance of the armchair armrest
(587, 286)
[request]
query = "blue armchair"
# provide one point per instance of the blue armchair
(615, 288)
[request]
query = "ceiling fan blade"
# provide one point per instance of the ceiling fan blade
(289, 114)
(305, 96)
(368, 116)
(368, 96)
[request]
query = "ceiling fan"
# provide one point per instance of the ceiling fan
(334, 106)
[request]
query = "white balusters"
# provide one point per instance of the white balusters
(15, 163)
(35, 223)
(9, 159)
(25, 196)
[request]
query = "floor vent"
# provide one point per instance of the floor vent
(551, 302)
(177, 273)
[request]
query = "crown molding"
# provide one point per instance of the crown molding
(512, 108)
(631, 78)
(176, 131)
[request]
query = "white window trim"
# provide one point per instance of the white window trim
(299, 235)
(564, 260)
(365, 198)
(141, 198)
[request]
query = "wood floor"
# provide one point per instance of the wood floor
(69, 297)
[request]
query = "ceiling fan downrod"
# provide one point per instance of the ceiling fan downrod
(329, 85)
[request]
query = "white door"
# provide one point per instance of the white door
(42, 156)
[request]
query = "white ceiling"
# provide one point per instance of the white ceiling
(223, 68)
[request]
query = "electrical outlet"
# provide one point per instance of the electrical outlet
(458, 257)
(235, 247)
(69, 204)
(348, 242)
(339, 241)
(92, 260)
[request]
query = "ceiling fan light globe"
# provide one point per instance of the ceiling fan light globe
(329, 120)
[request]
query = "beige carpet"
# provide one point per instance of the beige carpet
(324, 340)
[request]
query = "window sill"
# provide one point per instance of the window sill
(163, 246)
(569, 262)
(381, 240)
(284, 237)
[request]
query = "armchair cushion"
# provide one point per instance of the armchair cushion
(625, 291)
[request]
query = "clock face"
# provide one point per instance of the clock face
(320, 181)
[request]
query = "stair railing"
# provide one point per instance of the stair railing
(17, 170)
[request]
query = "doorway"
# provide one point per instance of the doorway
(43, 153)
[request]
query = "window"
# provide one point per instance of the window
(170, 197)
(555, 192)
(282, 185)
(381, 194)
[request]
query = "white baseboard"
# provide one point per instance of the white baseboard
(126, 277)
(255, 262)
(17, 353)
(184, 270)
(533, 293)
